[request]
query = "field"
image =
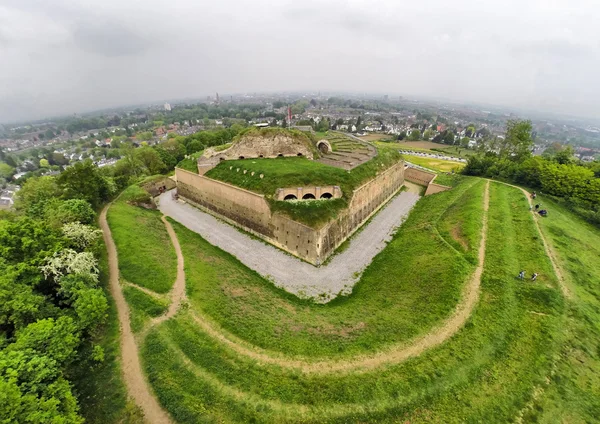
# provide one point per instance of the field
(241, 350)
(439, 165)
(376, 137)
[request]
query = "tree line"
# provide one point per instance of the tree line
(557, 173)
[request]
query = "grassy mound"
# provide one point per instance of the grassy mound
(146, 256)
(299, 172)
(495, 369)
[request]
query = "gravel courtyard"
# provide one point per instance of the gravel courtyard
(322, 283)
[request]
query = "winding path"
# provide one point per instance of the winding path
(135, 381)
(139, 388)
(393, 355)
(547, 248)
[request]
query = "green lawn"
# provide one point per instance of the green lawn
(383, 309)
(146, 256)
(488, 372)
(574, 392)
(143, 307)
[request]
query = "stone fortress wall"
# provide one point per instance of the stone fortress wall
(251, 212)
(257, 146)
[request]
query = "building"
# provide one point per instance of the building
(167, 107)
(253, 213)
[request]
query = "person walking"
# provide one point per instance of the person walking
(521, 275)
(534, 276)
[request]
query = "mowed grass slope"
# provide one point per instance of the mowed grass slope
(574, 392)
(417, 267)
(492, 370)
(146, 256)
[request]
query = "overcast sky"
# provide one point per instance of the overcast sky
(66, 56)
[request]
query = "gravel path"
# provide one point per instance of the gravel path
(302, 279)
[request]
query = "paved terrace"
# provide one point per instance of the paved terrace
(322, 283)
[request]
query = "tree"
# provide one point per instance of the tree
(402, 135)
(427, 135)
(565, 156)
(517, 143)
(144, 136)
(81, 235)
(415, 135)
(6, 171)
(464, 142)
(35, 194)
(150, 160)
(84, 181)
(57, 159)
(44, 163)
(448, 137)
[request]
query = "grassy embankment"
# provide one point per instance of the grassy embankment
(298, 172)
(146, 256)
(384, 307)
(490, 371)
(573, 394)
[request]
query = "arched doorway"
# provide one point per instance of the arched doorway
(290, 197)
(324, 146)
(326, 196)
(308, 196)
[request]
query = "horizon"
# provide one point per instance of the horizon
(66, 56)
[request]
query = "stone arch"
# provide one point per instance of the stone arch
(280, 155)
(324, 147)
(308, 196)
(326, 196)
(290, 197)
(299, 154)
(241, 157)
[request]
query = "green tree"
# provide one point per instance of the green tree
(84, 181)
(415, 135)
(517, 143)
(36, 193)
(44, 163)
(6, 171)
(150, 160)
(144, 136)
(427, 135)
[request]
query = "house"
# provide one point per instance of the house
(472, 144)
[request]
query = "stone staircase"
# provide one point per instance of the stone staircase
(347, 153)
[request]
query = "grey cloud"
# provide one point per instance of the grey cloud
(66, 56)
(110, 39)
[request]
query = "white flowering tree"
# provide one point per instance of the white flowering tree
(68, 261)
(81, 235)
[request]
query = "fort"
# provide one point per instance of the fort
(232, 185)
